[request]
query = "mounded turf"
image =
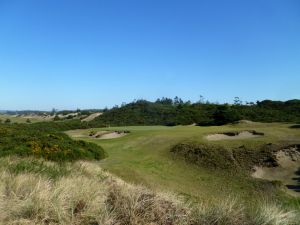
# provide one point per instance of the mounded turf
(144, 157)
(37, 191)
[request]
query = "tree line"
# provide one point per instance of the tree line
(166, 111)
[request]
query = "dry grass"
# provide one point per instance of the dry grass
(90, 196)
(270, 214)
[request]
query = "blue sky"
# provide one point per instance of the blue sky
(91, 54)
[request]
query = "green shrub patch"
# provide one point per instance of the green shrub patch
(49, 143)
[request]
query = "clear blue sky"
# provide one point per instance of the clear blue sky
(91, 54)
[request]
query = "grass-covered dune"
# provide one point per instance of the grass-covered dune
(235, 159)
(41, 140)
(82, 193)
(145, 156)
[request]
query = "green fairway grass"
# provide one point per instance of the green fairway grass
(143, 157)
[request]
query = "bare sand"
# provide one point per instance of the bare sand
(246, 122)
(91, 117)
(109, 134)
(224, 136)
(112, 135)
(38, 117)
(288, 171)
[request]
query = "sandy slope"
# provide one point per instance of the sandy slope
(91, 117)
(288, 171)
(241, 135)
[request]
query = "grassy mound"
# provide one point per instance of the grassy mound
(144, 157)
(242, 158)
(42, 141)
(82, 193)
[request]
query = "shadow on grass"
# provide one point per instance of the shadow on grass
(295, 187)
(295, 126)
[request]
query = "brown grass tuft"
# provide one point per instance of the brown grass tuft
(90, 196)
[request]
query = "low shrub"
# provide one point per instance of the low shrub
(45, 142)
(92, 133)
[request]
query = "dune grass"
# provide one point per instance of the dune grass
(83, 193)
(143, 157)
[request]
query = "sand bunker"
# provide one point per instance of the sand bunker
(108, 134)
(233, 135)
(287, 171)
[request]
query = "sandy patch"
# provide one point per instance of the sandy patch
(112, 135)
(61, 116)
(91, 117)
(246, 122)
(36, 117)
(233, 135)
(287, 171)
(108, 134)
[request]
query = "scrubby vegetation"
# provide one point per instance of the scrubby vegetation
(45, 140)
(82, 193)
(177, 112)
(60, 125)
(171, 112)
